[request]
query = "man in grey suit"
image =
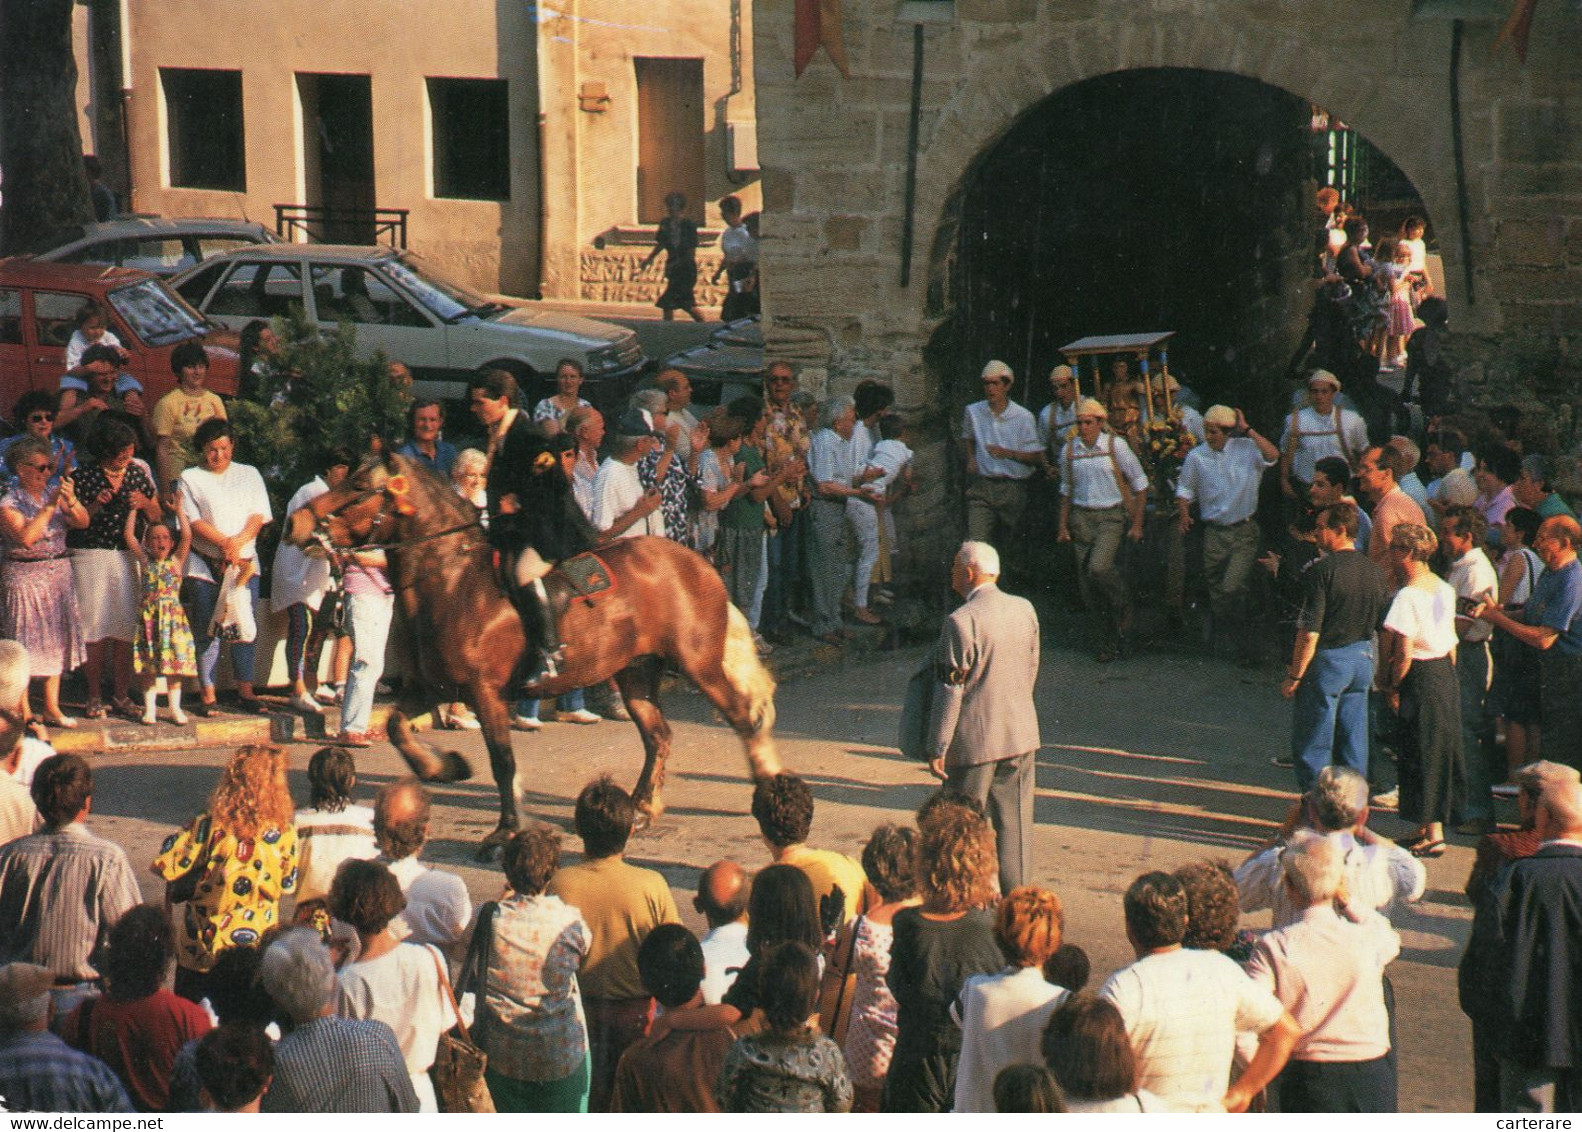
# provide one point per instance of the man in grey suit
(984, 728)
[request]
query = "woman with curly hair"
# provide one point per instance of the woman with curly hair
(1214, 910)
(1417, 669)
(137, 1027)
(938, 946)
(403, 985)
(862, 949)
(231, 865)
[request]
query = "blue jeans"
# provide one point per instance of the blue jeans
(784, 572)
(368, 621)
(200, 597)
(1330, 720)
(574, 700)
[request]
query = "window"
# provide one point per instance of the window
(204, 109)
(55, 316)
(360, 295)
(196, 287)
(254, 290)
(472, 138)
(10, 318)
(155, 314)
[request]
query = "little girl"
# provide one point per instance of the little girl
(163, 651)
(1398, 316)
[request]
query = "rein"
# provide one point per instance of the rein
(404, 543)
(322, 537)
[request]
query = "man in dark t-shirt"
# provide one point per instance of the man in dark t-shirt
(1345, 594)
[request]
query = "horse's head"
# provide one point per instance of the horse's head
(374, 504)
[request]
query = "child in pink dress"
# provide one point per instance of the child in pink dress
(163, 652)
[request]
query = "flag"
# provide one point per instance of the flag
(818, 23)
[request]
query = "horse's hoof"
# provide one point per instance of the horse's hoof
(642, 821)
(487, 854)
(454, 768)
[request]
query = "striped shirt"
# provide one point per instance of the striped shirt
(41, 1073)
(340, 1065)
(325, 838)
(60, 891)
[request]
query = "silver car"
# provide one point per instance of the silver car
(157, 244)
(444, 332)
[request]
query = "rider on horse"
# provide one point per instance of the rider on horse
(534, 520)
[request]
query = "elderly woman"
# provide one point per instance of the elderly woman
(523, 966)
(938, 946)
(1417, 669)
(403, 985)
(231, 865)
(38, 605)
(111, 487)
(833, 464)
(1002, 1016)
(568, 380)
(35, 416)
(227, 505)
(665, 467)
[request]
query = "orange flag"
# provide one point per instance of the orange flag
(1518, 27)
(818, 23)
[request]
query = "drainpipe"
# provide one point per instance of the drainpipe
(1456, 29)
(124, 35)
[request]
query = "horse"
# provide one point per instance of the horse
(666, 603)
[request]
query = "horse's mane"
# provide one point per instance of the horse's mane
(438, 502)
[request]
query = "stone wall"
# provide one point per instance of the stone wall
(616, 275)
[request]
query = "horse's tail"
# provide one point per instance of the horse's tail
(747, 673)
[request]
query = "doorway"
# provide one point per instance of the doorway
(669, 136)
(338, 156)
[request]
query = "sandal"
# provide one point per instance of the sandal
(64, 722)
(123, 705)
(1428, 850)
(94, 710)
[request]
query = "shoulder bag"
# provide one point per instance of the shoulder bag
(459, 1064)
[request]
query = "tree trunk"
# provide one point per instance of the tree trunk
(45, 188)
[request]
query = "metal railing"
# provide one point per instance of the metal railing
(323, 223)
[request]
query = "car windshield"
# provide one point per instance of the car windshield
(450, 301)
(155, 314)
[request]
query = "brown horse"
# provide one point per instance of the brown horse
(666, 604)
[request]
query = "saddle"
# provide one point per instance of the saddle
(584, 577)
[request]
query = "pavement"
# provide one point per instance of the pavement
(1149, 763)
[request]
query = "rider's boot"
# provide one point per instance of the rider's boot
(533, 605)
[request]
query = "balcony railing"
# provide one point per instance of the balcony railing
(325, 224)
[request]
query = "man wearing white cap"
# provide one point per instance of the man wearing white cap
(1058, 419)
(1321, 429)
(1221, 477)
(621, 507)
(999, 441)
(1102, 492)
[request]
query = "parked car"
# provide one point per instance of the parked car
(38, 306)
(729, 365)
(165, 246)
(401, 306)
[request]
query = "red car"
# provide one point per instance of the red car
(39, 301)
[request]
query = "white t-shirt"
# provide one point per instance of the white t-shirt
(616, 490)
(889, 456)
(1002, 1019)
(438, 908)
(1183, 1010)
(1426, 618)
(227, 501)
(401, 988)
(299, 578)
(78, 344)
(1056, 423)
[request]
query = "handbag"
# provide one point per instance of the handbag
(459, 1064)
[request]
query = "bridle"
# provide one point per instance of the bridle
(321, 525)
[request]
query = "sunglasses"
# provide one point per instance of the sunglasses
(39, 418)
(44, 467)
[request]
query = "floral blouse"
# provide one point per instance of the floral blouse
(52, 544)
(767, 1072)
(239, 886)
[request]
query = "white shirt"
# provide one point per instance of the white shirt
(401, 988)
(438, 908)
(1014, 428)
(1192, 421)
(1377, 876)
(1062, 419)
(227, 501)
(326, 839)
(861, 443)
(833, 460)
(1321, 437)
(889, 456)
(1223, 484)
(299, 578)
(1413, 486)
(738, 246)
(616, 490)
(688, 422)
(1472, 576)
(1328, 972)
(1087, 475)
(77, 344)
(724, 955)
(1426, 618)
(1182, 1011)
(1002, 1019)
